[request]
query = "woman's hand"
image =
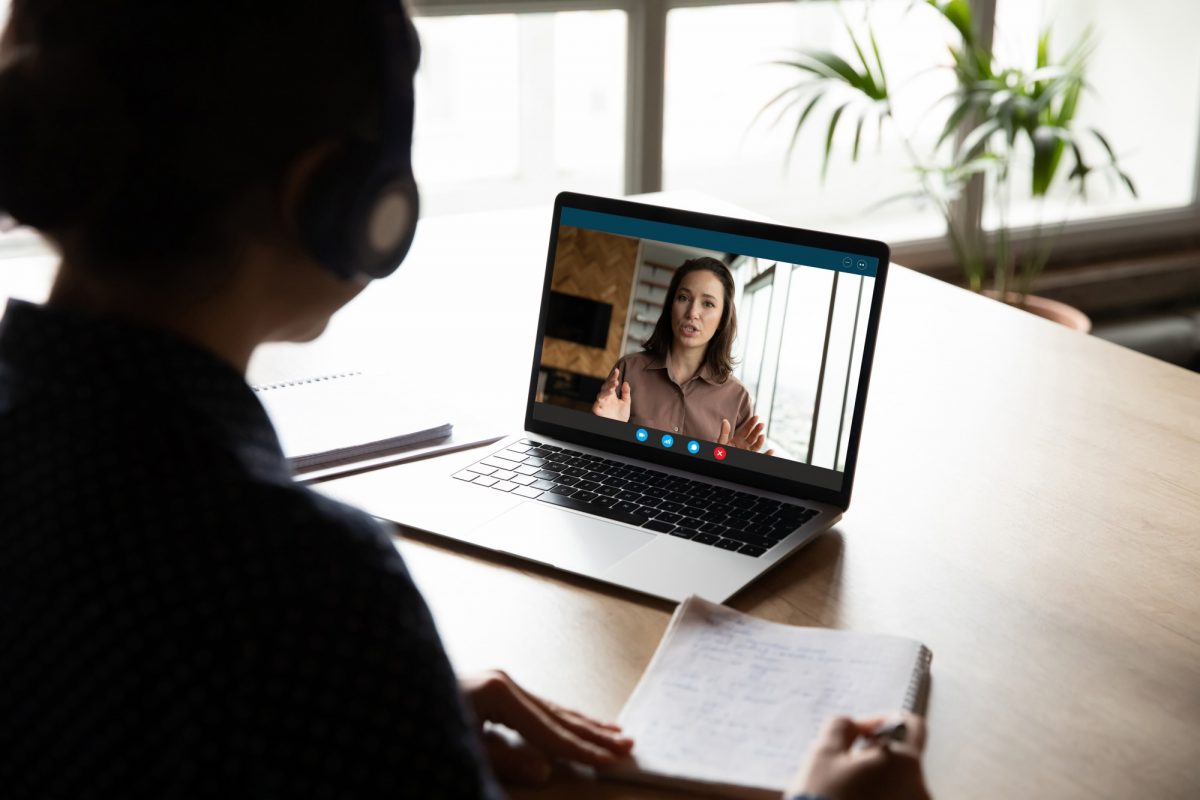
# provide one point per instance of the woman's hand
(750, 436)
(549, 731)
(834, 769)
(610, 402)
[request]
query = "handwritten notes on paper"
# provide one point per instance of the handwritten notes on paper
(733, 700)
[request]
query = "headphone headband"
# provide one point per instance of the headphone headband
(359, 214)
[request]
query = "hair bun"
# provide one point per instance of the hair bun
(62, 139)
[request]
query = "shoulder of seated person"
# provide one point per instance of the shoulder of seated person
(308, 527)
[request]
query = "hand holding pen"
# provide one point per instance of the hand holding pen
(856, 759)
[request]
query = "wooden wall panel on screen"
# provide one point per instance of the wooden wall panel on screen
(597, 266)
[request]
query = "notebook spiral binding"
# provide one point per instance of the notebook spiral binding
(266, 387)
(914, 697)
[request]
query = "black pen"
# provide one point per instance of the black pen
(888, 732)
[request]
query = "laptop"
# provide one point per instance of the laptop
(694, 405)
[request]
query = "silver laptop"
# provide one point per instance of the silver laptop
(694, 404)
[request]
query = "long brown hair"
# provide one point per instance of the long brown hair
(719, 355)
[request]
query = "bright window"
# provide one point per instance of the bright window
(1144, 96)
(513, 108)
(757, 304)
(801, 349)
(838, 392)
(719, 75)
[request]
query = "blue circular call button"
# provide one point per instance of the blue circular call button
(642, 434)
(693, 447)
(668, 440)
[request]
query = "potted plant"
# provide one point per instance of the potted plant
(1001, 123)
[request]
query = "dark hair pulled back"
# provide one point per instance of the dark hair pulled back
(151, 132)
(62, 138)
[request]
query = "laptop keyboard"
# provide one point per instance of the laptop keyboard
(668, 504)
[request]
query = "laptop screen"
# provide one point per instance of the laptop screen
(723, 346)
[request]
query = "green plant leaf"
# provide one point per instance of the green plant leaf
(800, 92)
(1128, 183)
(999, 100)
(862, 57)
(959, 61)
(878, 61)
(803, 62)
(1066, 112)
(1065, 138)
(841, 67)
(858, 135)
(1010, 130)
(1081, 51)
(806, 63)
(830, 65)
(873, 81)
(1112, 160)
(808, 109)
(991, 100)
(983, 163)
(1104, 143)
(796, 89)
(1081, 168)
(833, 123)
(977, 138)
(1042, 74)
(958, 14)
(954, 119)
(1046, 141)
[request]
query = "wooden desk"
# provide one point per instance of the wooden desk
(1027, 504)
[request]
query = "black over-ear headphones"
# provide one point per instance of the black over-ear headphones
(359, 212)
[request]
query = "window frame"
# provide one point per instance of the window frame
(1116, 235)
(645, 98)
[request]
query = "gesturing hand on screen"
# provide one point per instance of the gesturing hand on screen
(748, 437)
(613, 398)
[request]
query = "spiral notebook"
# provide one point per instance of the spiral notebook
(347, 417)
(730, 703)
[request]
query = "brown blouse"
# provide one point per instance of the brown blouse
(694, 409)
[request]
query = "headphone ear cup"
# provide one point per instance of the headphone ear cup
(390, 224)
(356, 220)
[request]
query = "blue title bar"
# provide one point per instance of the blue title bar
(717, 241)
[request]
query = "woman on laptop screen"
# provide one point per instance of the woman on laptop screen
(683, 381)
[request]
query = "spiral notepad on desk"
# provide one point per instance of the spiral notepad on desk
(345, 417)
(730, 703)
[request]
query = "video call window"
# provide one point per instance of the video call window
(792, 360)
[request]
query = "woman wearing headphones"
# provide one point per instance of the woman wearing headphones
(178, 617)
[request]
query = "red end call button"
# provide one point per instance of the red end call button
(719, 453)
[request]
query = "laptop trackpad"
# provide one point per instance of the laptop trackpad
(564, 539)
